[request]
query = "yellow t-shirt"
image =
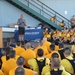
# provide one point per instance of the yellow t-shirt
(68, 36)
(19, 50)
(28, 54)
(1, 73)
(3, 58)
(52, 19)
(44, 48)
(73, 47)
(67, 65)
(63, 35)
(47, 44)
(59, 34)
(33, 63)
(8, 65)
(47, 69)
(56, 47)
(61, 24)
(47, 35)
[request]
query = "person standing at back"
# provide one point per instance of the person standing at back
(21, 23)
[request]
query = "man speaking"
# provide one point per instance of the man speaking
(21, 27)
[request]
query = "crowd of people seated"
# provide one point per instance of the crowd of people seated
(50, 57)
(65, 36)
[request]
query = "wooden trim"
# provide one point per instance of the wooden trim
(1, 38)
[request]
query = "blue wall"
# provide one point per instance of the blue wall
(61, 6)
(9, 14)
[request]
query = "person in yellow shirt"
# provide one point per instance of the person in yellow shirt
(9, 64)
(52, 49)
(68, 36)
(20, 63)
(38, 63)
(47, 44)
(53, 19)
(54, 35)
(1, 73)
(44, 48)
(6, 56)
(73, 51)
(19, 49)
(64, 35)
(28, 54)
(68, 62)
(58, 34)
(48, 67)
(55, 68)
(62, 24)
(56, 45)
(72, 40)
(47, 33)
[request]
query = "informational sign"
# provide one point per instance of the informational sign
(30, 34)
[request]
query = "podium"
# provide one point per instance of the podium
(1, 38)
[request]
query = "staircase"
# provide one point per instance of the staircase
(40, 11)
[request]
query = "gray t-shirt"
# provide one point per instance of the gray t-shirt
(21, 22)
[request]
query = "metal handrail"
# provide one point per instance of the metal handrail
(48, 11)
(68, 22)
(53, 10)
(41, 9)
(38, 8)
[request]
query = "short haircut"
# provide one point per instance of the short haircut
(20, 71)
(12, 54)
(28, 45)
(40, 52)
(18, 43)
(56, 62)
(67, 51)
(20, 61)
(52, 47)
(7, 50)
(55, 55)
(61, 45)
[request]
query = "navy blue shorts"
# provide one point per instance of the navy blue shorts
(21, 30)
